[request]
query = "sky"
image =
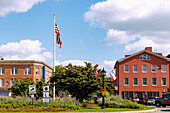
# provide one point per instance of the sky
(96, 31)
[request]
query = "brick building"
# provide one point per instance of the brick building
(144, 74)
(11, 70)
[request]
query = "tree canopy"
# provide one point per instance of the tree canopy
(78, 80)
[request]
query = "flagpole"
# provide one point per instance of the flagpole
(54, 59)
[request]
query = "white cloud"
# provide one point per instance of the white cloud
(142, 43)
(47, 55)
(117, 37)
(148, 19)
(113, 13)
(18, 6)
(25, 49)
(73, 62)
(108, 65)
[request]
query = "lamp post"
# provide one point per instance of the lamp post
(103, 74)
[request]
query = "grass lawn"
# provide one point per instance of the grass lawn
(93, 109)
(98, 109)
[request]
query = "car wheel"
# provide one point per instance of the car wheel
(158, 104)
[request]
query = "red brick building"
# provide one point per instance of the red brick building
(143, 74)
(11, 70)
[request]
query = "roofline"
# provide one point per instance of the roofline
(155, 54)
(25, 61)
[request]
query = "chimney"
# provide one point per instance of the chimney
(148, 48)
(159, 54)
(126, 56)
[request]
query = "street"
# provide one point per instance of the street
(163, 109)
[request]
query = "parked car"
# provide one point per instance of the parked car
(146, 101)
(162, 101)
(150, 102)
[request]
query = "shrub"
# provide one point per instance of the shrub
(117, 102)
(8, 102)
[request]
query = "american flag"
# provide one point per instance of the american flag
(114, 76)
(7, 83)
(96, 73)
(58, 35)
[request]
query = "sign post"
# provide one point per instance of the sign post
(32, 91)
(46, 95)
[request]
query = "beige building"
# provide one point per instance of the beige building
(11, 70)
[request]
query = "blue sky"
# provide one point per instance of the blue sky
(98, 31)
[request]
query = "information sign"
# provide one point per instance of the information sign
(46, 94)
(32, 89)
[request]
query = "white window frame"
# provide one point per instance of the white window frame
(1, 82)
(163, 68)
(135, 81)
(163, 81)
(143, 82)
(125, 68)
(36, 71)
(134, 68)
(153, 68)
(1, 70)
(143, 68)
(144, 57)
(27, 71)
(14, 70)
(152, 81)
(125, 81)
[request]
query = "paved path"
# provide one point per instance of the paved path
(163, 109)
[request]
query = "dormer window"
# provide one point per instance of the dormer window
(144, 57)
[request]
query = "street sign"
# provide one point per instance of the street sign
(46, 94)
(32, 89)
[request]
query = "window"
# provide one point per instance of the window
(144, 81)
(163, 81)
(163, 68)
(1, 70)
(126, 95)
(144, 57)
(153, 68)
(126, 68)
(135, 81)
(37, 71)
(126, 81)
(27, 71)
(154, 83)
(14, 70)
(12, 82)
(153, 94)
(36, 81)
(144, 68)
(135, 68)
(1, 82)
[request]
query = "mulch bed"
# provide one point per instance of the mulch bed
(33, 109)
(88, 105)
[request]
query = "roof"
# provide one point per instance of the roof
(155, 54)
(25, 61)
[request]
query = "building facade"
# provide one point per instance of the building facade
(144, 74)
(12, 70)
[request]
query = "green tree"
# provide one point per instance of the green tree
(39, 88)
(22, 87)
(79, 81)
